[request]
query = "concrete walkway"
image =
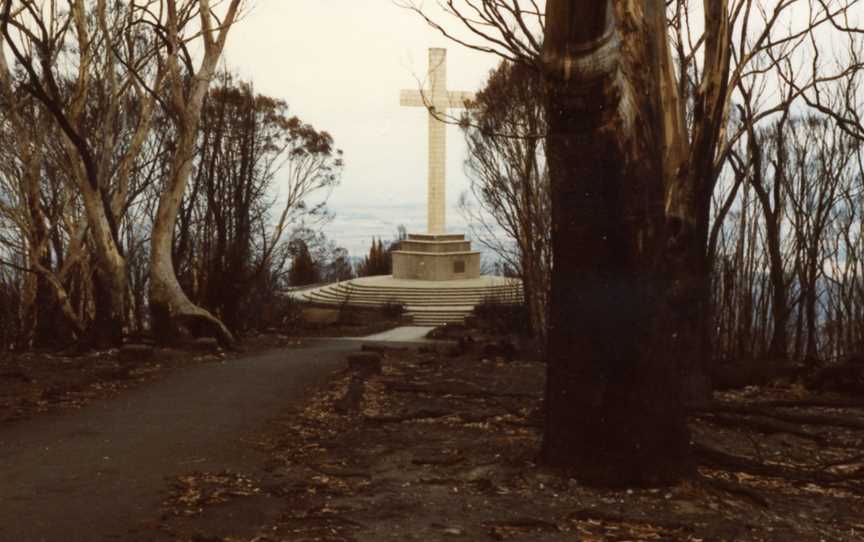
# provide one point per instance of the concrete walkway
(404, 334)
(93, 473)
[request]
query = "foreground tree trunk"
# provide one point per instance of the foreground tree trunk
(169, 305)
(614, 414)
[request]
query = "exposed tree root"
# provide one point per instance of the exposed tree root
(170, 307)
(340, 472)
(193, 313)
(586, 514)
(719, 459)
(843, 462)
(450, 387)
(761, 424)
(323, 515)
(819, 419)
(419, 414)
(765, 409)
(815, 402)
(735, 489)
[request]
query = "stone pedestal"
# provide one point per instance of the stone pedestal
(436, 257)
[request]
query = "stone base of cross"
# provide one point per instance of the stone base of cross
(438, 101)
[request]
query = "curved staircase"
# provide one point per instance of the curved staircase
(427, 303)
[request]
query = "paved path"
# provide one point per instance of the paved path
(90, 474)
(407, 334)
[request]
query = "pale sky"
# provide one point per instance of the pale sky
(340, 65)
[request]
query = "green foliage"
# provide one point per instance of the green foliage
(377, 262)
(510, 186)
(338, 267)
(263, 308)
(505, 318)
(9, 300)
(392, 310)
(332, 262)
(230, 241)
(303, 269)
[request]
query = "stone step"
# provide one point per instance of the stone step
(438, 315)
(435, 322)
(425, 293)
(375, 304)
(383, 297)
(443, 290)
(327, 300)
(408, 308)
(437, 319)
(389, 296)
(426, 304)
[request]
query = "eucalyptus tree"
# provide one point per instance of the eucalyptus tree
(179, 24)
(43, 238)
(506, 165)
(82, 62)
(258, 171)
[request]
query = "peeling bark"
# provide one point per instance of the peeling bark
(170, 306)
(688, 207)
(40, 283)
(110, 267)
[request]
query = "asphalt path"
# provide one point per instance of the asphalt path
(91, 474)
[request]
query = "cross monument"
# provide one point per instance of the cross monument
(437, 100)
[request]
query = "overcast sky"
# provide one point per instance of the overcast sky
(340, 65)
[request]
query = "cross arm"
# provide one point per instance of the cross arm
(411, 98)
(459, 99)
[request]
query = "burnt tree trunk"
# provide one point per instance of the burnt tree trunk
(614, 414)
(688, 208)
(772, 212)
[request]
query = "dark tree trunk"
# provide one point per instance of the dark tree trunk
(614, 414)
(109, 295)
(50, 328)
(692, 308)
(688, 204)
(810, 297)
(778, 349)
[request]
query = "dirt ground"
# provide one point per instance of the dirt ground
(442, 445)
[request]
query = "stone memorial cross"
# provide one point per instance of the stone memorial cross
(438, 100)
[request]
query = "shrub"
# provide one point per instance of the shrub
(503, 317)
(9, 324)
(392, 310)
